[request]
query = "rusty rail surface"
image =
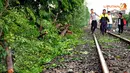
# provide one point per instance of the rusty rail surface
(102, 60)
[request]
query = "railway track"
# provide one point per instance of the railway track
(118, 36)
(104, 65)
(125, 34)
(94, 62)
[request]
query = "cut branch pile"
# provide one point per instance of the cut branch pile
(65, 30)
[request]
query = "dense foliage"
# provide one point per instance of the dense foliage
(20, 25)
(127, 17)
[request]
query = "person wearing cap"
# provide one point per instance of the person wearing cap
(103, 21)
(94, 21)
(120, 23)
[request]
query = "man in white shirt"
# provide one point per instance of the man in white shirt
(94, 21)
(109, 25)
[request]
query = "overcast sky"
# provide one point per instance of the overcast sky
(97, 5)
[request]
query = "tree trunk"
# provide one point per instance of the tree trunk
(9, 61)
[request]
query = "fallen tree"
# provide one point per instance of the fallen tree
(65, 30)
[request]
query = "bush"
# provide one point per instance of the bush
(21, 32)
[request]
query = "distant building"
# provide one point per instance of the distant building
(123, 11)
(114, 13)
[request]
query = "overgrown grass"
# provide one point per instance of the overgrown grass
(30, 53)
(128, 47)
(105, 40)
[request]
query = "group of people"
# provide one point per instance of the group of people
(105, 20)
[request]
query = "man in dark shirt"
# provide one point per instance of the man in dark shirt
(120, 23)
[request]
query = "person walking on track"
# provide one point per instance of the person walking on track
(94, 21)
(103, 21)
(120, 23)
(109, 25)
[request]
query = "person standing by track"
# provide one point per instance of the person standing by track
(94, 20)
(109, 25)
(103, 21)
(120, 23)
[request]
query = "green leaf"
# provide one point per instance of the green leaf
(31, 14)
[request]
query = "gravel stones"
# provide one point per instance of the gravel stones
(84, 59)
(116, 56)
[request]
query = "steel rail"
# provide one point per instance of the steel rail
(102, 60)
(122, 38)
(118, 36)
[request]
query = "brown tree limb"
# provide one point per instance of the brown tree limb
(56, 17)
(8, 58)
(41, 35)
(9, 61)
(65, 30)
(6, 3)
(58, 26)
(69, 32)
